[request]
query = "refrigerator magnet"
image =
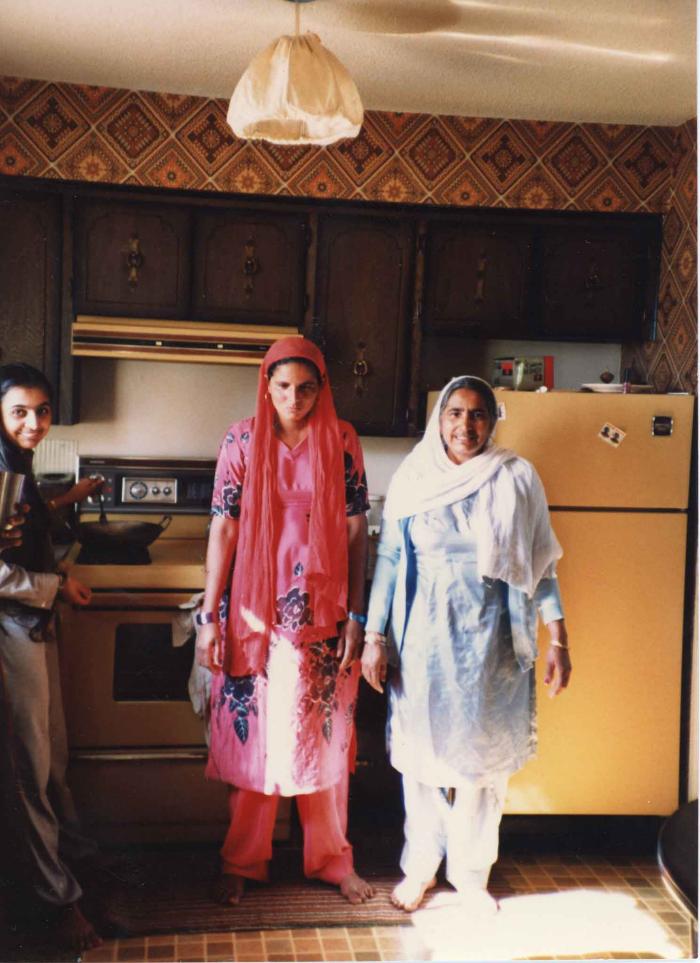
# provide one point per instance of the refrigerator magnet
(612, 435)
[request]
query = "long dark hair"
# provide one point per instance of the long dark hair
(35, 552)
(294, 359)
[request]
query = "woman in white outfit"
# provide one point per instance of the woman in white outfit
(466, 562)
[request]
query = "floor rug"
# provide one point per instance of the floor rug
(170, 892)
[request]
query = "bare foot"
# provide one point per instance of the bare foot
(355, 889)
(74, 932)
(228, 889)
(409, 893)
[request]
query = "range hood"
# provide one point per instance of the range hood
(160, 340)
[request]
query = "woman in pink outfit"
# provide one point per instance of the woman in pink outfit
(282, 627)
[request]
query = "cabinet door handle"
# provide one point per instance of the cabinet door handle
(134, 260)
(360, 369)
(480, 278)
(251, 266)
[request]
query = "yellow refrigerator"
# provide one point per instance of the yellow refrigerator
(616, 472)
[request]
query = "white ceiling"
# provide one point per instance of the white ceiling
(614, 61)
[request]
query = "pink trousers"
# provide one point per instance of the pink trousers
(323, 815)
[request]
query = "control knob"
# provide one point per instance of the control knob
(138, 490)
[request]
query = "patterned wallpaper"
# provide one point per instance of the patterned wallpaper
(100, 134)
(671, 362)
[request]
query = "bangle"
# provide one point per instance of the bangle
(204, 618)
(375, 638)
(557, 644)
(61, 579)
(356, 617)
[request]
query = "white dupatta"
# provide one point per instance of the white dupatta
(515, 540)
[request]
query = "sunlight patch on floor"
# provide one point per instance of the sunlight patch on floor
(578, 922)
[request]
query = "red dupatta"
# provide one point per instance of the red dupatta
(252, 608)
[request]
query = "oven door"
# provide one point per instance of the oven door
(125, 684)
(137, 748)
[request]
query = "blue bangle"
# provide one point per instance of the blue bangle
(356, 617)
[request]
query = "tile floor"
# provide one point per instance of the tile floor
(551, 907)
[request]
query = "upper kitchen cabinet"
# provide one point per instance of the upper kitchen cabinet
(249, 266)
(30, 280)
(477, 278)
(132, 260)
(598, 279)
(361, 317)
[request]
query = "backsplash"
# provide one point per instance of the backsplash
(100, 134)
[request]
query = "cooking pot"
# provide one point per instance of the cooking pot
(105, 534)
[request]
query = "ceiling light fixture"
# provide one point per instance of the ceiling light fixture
(296, 92)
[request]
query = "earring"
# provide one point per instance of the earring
(267, 395)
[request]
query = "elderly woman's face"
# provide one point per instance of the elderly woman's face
(465, 425)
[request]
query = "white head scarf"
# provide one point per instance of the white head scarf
(515, 541)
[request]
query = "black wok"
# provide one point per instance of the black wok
(105, 534)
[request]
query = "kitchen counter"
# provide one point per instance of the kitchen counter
(176, 563)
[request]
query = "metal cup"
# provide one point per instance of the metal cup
(11, 485)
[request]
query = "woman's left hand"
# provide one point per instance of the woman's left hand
(82, 490)
(349, 643)
(558, 669)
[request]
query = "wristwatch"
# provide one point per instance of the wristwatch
(204, 618)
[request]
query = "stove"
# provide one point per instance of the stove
(137, 747)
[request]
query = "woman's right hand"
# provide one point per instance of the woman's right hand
(208, 647)
(75, 592)
(374, 660)
(11, 536)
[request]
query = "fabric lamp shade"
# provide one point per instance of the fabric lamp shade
(296, 92)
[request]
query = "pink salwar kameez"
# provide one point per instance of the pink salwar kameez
(289, 730)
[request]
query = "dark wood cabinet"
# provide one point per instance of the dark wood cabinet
(598, 281)
(392, 295)
(30, 280)
(132, 259)
(477, 279)
(249, 266)
(362, 314)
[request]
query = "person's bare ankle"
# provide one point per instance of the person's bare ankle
(355, 889)
(229, 889)
(409, 893)
(73, 931)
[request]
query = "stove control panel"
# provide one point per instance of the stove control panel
(147, 485)
(149, 491)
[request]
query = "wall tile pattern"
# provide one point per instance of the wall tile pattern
(671, 362)
(99, 134)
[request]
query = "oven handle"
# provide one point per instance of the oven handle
(139, 755)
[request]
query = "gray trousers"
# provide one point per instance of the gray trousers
(42, 822)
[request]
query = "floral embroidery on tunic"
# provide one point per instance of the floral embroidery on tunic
(320, 695)
(356, 501)
(293, 610)
(238, 694)
(229, 501)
